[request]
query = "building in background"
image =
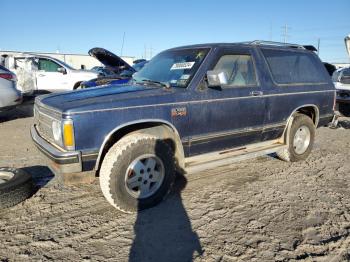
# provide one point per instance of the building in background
(78, 61)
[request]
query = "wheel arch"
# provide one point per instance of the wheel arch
(310, 110)
(159, 128)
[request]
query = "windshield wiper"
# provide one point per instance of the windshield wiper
(166, 85)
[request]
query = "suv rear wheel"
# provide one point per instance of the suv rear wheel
(137, 172)
(301, 139)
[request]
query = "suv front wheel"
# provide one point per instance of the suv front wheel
(301, 139)
(137, 172)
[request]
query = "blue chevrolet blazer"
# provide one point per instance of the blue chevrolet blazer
(191, 108)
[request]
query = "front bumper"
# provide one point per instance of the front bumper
(59, 161)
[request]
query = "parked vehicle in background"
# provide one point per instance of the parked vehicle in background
(37, 73)
(330, 68)
(341, 80)
(102, 71)
(116, 70)
(9, 95)
(191, 108)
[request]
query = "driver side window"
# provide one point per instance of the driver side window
(238, 69)
(48, 65)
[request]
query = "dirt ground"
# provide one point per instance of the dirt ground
(258, 210)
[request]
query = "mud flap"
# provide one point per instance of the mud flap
(335, 121)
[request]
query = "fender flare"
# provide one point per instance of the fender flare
(285, 136)
(171, 133)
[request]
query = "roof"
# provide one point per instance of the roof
(250, 43)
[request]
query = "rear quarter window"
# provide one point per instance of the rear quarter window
(291, 67)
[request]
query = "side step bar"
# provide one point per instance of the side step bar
(222, 158)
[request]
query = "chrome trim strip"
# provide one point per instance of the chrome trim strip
(195, 102)
(236, 132)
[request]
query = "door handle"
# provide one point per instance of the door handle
(256, 93)
(41, 75)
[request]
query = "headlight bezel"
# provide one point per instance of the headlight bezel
(57, 132)
(63, 133)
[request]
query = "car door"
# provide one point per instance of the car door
(230, 115)
(49, 78)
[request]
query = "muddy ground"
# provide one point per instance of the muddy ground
(257, 210)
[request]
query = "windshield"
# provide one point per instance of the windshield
(173, 68)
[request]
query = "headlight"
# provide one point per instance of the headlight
(57, 131)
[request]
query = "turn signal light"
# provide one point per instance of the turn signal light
(68, 135)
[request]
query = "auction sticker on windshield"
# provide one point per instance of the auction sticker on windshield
(184, 65)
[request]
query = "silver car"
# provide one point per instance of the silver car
(9, 95)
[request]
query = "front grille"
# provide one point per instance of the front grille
(43, 122)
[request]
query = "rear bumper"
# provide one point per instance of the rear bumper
(343, 100)
(17, 100)
(59, 161)
(343, 96)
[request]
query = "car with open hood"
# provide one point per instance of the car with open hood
(115, 71)
(191, 108)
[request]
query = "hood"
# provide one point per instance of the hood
(110, 96)
(110, 60)
(347, 44)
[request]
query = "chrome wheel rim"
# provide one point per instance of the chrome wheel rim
(144, 176)
(301, 140)
(5, 176)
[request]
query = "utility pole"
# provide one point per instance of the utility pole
(121, 51)
(285, 35)
(318, 46)
(151, 52)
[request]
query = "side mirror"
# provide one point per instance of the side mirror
(62, 70)
(216, 78)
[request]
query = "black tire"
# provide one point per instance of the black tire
(77, 85)
(289, 154)
(16, 189)
(344, 109)
(115, 165)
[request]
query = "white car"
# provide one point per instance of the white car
(341, 80)
(9, 95)
(46, 73)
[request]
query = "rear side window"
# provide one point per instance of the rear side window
(345, 78)
(288, 67)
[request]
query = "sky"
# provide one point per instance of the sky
(149, 27)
